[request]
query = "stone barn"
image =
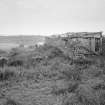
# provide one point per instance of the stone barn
(90, 40)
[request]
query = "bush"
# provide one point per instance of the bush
(11, 102)
(71, 99)
(16, 63)
(56, 91)
(91, 72)
(100, 96)
(83, 61)
(72, 73)
(50, 51)
(31, 74)
(86, 95)
(63, 87)
(8, 74)
(72, 86)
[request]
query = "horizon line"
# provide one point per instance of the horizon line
(50, 34)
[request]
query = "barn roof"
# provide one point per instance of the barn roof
(82, 34)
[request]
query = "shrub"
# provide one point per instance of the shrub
(30, 74)
(71, 99)
(56, 91)
(7, 74)
(100, 96)
(86, 95)
(11, 102)
(16, 63)
(96, 83)
(91, 72)
(72, 73)
(72, 86)
(51, 51)
(63, 87)
(83, 61)
(14, 52)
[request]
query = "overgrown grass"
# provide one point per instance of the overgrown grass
(11, 102)
(83, 78)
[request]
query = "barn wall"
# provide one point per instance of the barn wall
(84, 42)
(103, 45)
(93, 44)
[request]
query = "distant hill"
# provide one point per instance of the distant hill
(20, 39)
(8, 42)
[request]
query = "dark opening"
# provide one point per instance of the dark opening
(97, 44)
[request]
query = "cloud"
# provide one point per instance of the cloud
(51, 15)
(29, 4)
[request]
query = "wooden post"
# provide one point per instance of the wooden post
(101, 44)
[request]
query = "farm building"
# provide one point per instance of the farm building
(90, 40)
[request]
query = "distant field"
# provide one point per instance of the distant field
(8, 42)
(7, 46)
(21, 39)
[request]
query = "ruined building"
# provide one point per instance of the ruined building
(90, 40)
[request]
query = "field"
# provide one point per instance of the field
(8, 42)
(50, 75)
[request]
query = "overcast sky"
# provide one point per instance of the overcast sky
(51, 16)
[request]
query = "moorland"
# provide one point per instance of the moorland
(51, 75)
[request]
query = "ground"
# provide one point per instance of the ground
(53, 80)
(31, 93)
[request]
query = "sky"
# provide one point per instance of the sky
(46, 17)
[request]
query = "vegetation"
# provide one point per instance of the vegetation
(49, 75)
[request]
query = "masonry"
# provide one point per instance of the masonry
(90, 40)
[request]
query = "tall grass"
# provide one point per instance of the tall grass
(84, 77)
